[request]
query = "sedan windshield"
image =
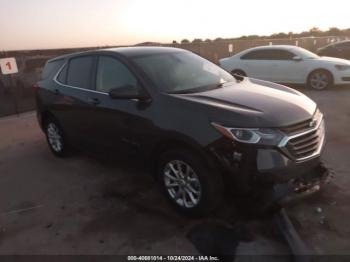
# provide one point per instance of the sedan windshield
(182, 72)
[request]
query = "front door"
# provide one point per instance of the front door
(284, 68)
(112, 126)
(276, 65)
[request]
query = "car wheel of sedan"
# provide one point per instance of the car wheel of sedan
(190, 185)
(55, 138)
(320, 79)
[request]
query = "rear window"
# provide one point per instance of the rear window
(343, 44)
(51, 68)
(80, 72)
(254, 55)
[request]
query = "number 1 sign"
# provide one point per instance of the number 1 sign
(8, 66)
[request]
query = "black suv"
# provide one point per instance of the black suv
(338, 49)
(197, 128)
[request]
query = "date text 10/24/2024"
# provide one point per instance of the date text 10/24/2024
(172, 258)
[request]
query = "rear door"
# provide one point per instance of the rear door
(75, 84)
(254, 64)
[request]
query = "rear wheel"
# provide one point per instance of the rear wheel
(55, 137)
(320, 79)
(189, 184)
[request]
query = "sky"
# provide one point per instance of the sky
(45, 24)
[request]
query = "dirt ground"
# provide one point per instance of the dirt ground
(82, 205)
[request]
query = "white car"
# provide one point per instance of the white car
(290, 65)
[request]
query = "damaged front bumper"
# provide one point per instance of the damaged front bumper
(291, 180)
(278, 195)
(305, 185)
(254, 171)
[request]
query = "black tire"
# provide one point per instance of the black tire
(210, 182)
(320, 79)
(238, 74)
(59, 147)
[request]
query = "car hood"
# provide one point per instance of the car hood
(253, 103)
(334, 60)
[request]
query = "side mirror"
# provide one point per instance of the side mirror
(127, 92)
(297, 58)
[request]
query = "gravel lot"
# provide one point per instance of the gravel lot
(83, 205)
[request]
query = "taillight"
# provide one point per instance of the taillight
(35, 87)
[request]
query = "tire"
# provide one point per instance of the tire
(320, 80)
(55, 137)
(195, 194)
(238, 74)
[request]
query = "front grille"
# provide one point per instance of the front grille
(305, 139)
(305, 145)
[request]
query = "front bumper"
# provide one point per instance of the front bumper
(280, 195)
(307, 184)
(342, 77)
(273, 166)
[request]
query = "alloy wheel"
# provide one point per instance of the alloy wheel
(182, 184)
(319, 80)
(54, 137)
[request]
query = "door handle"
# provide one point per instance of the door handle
(94, 101)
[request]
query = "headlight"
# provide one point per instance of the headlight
(263, 136)
(342, 67)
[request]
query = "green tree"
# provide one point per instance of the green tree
(315, 31)
(279, 35)
(197, 40)
(218, 39)
(334, 31)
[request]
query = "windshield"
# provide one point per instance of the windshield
(182, 72)
(307, 54)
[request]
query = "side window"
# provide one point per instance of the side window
(80, 72)
(112, 74)
(51, 68)
(62, 77)
(280, 55)
(269, 54)
(343, 45)
(254, 55)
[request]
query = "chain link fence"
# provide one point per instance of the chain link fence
(17, 95)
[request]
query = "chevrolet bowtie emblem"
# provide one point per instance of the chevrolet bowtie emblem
(312, 123)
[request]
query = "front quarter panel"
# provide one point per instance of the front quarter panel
(314, 64)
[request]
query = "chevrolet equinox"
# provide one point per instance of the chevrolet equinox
(203, 133)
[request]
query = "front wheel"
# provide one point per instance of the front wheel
(189, 184)
(320, 79)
